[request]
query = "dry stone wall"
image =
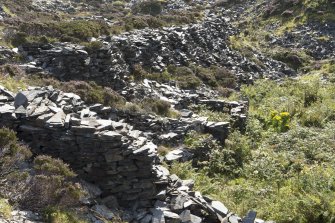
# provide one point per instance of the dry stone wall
(202, 44)
(111, 154)
(108, 153)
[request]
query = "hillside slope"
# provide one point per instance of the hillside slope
(167, 111)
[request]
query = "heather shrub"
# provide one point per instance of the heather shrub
(12, 154)
(52, 185)
(93, 46)
(216, 76)
(163, 150)
(81, 30)
(67, 31)
(19, 38)
(150, 7)
(185, 77)
(156, 106)
(293, 59)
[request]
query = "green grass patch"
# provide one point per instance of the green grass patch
(55, 215)
(12, 83)
(283, 166)
(213, 116)
(5, 209)
(189, 77)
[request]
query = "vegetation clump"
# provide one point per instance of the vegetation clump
(5, 209)
(51, 185)
(190, 77)
(280, 121)
(158, 107)
(54, 215)
(151, 7)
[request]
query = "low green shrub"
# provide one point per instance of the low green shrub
(309, 101)
(216, 76)
(12, 153)
(119, 3)
(150, 7)
(156, 106)
(185, 77)
(293, 59)
(93, 46)
(81, 29)
(55, 215)
(189, 77)
(213, 116)
(283, 165)
(316, 115)
(216, 159)
(195, 140)
(47, 165)
(203, 183)
(53, 185)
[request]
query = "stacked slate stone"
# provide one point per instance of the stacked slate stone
(70, 61)
(169, 92)
(172, 130)
(122, 161)
(110, 154)
(203, 44)
(6, 54)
